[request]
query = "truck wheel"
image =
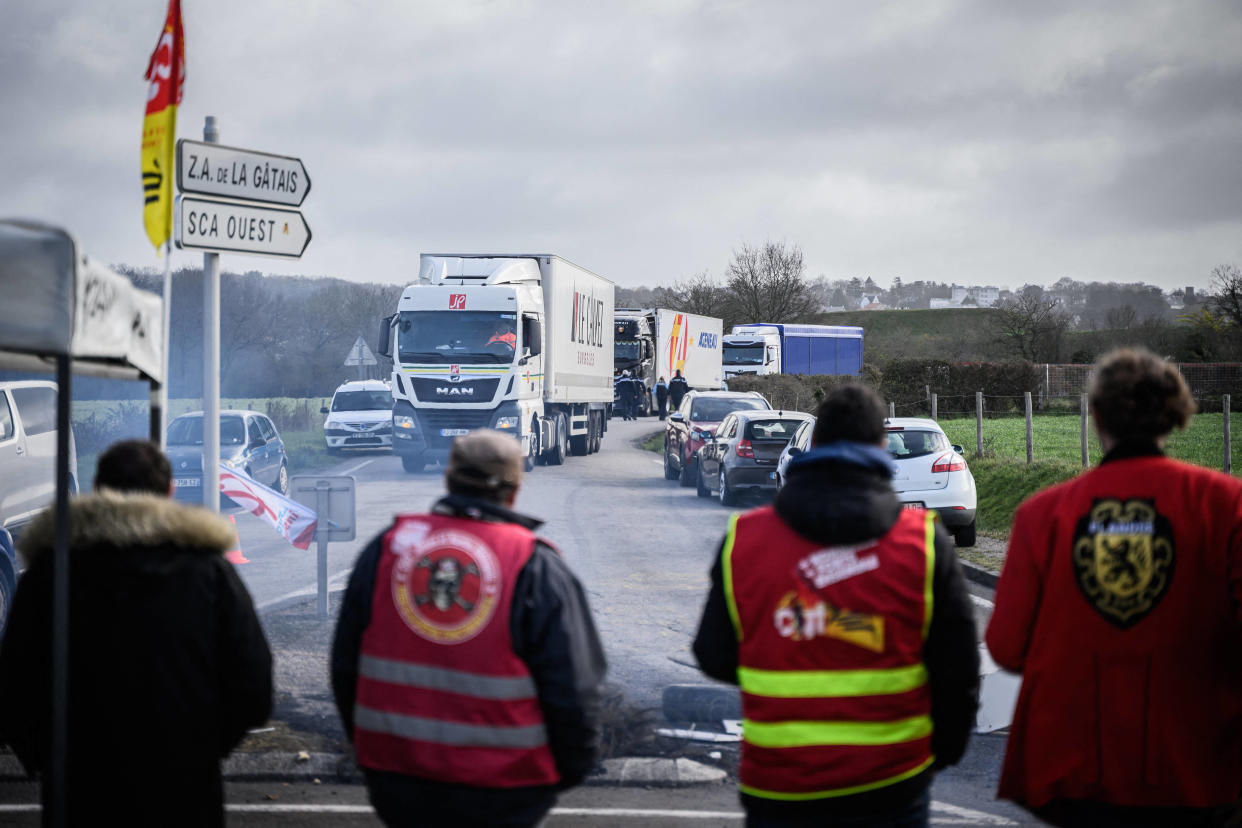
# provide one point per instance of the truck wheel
(580, 444)
(596, 430)
(560, 446)
(532, 446)
(964, 535)
(412, 464)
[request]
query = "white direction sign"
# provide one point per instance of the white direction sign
(229, 227)
(360, 354)
(229, 172)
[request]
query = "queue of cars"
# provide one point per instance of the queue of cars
(732, 443)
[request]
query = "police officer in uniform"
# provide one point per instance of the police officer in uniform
(677, 389)
(846, 621)
(627, 388)
(466, 667)
(1119, 604)
(661, 390)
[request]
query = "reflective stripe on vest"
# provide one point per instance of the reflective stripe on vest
(441, 678)
(771, 690)
(449, 733)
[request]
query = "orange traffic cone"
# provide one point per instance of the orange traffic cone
(234, 555)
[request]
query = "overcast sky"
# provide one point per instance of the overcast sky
(969, 142)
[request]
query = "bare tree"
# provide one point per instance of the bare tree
(1031, 326)
(700, 294)
(769, 283)
(1227, 303)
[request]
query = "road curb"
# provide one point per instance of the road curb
(701, 703)
(340, 767)
(979, 575)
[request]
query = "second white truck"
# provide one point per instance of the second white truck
(657, 343)
(519, 343)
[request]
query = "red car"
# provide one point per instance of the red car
(693, 424)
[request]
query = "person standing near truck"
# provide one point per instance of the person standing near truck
(677, 389)
(465, 666)
(661, 390)
(626, 389)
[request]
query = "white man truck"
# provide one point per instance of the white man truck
(768, 348)
(657, 343)
(518, 343)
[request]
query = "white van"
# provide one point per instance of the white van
(28, 451)
(360, 416)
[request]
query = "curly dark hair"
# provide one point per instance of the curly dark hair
(1137, 396)
(851, 412)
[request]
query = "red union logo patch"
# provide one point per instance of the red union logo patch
(446, 585)
(457, 301)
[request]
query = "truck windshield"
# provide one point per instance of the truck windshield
(743, 354)
(625, 350)
(457, 336)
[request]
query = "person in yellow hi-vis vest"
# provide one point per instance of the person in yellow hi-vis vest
(846, 621)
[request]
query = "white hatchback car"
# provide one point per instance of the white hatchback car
(932, 473)
(360, 416)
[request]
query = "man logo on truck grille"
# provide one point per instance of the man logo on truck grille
(457, 301)
(446, 586)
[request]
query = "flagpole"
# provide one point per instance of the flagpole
(163, 402)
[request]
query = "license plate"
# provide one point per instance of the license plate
(916, 504)
(454, 432)
(185, 482)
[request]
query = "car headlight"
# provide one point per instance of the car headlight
(233, 462)
(507, 422)
(405, 422)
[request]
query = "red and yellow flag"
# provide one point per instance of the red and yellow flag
(165, 79)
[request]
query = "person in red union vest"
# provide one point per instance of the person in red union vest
(1121, 605)
(465, 665)
(846, 621)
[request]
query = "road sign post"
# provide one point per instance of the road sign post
(211, 361)
(333, 499)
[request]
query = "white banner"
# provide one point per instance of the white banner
(295, 522)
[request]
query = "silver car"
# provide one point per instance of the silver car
(249, 443)
(798, 444)
(742, 454)
(28, 451)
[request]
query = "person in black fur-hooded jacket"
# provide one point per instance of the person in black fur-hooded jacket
(168, 666)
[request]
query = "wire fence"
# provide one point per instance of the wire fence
(1016, 427)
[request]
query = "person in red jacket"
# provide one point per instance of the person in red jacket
(466, 668)
(1119, 605)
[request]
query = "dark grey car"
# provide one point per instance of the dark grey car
(798, 444)
(742, 454)
(249, 443)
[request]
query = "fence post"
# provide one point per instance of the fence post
(978, 423)
(892, 409)
(1228, 445)
(1082, 408)
(933, 406)
(1030, 447)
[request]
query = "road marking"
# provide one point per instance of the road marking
(658, 462)
(359, 466)
(956, 814)
(983, 602)
(336, 580)
(966, 816)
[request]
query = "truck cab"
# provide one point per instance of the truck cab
(470, 351)
(752, 349)
(634, 351)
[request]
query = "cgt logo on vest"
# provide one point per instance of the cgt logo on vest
(802, 617)
(445, 586)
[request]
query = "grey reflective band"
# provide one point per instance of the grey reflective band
(503, 688)
(449, 733)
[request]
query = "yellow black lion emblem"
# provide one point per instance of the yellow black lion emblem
(1123, 559)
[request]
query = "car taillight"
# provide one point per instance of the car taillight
(744, 449)
(948, 462)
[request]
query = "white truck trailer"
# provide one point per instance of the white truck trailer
(518, 343)
(657, 343)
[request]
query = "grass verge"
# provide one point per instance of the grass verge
(306, 450)
(1003, 484)
(653, 441)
